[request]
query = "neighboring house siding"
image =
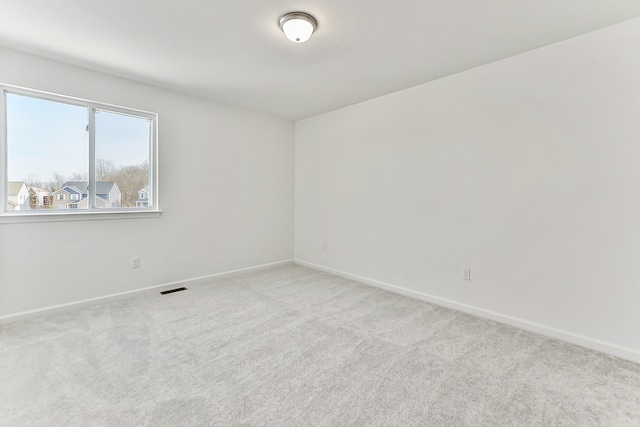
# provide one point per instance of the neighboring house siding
(115, 196)
(17, 195)
(12, 206)
(60, 203)
(143, 198)
(42, 196)
(84, 203)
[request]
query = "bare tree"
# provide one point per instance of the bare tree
(79, 177)
(105, 170)
(130, 180)
(32, 181)
(33, 199)
(56, 182)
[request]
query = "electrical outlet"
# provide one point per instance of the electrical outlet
(135, 262)
(466, 274)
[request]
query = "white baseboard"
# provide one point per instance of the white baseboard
(23, 315)
(591, 343)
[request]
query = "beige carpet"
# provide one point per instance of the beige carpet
(295, 347)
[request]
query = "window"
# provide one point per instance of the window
(101, 155)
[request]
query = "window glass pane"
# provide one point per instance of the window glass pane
(47, 147)
(122, 144)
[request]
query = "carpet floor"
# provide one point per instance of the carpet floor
(291, 346)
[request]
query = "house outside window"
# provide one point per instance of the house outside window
(143, 199)
(60, 196)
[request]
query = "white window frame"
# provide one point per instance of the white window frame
(93, 212)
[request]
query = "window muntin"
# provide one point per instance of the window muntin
(86, 151)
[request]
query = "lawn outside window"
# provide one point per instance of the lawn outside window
(67, 158)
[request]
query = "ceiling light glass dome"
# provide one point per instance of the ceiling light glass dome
(298, 26)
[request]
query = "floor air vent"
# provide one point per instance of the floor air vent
(170, 291)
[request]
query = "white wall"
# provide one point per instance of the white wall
(226, 191)
(526, 170)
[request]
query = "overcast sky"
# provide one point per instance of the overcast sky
(46, 137)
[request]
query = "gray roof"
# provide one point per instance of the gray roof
(71, 189)
(101, 187)
(82, 186)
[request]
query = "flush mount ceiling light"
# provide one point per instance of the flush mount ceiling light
(298, 26)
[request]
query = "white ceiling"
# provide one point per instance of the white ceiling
(233, 51)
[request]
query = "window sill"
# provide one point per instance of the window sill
(22, 217)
